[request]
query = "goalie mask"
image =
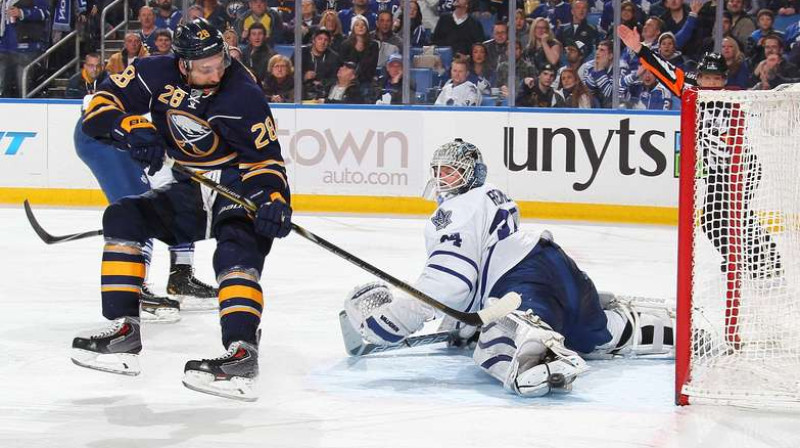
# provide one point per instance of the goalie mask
(456, 167)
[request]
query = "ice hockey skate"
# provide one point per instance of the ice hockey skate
(158, 309)
(193, 294)
(114, 349)
(233, 375)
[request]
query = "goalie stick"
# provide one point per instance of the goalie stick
(53, 239)
(497, 310)
(355, 345)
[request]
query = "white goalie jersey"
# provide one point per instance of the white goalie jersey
(472, 240)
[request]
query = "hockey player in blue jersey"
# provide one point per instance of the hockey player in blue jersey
(476, 252)
(208, 113)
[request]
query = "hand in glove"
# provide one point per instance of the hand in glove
(141, 139)
(273, 218)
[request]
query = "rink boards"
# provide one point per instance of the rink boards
(573, 164)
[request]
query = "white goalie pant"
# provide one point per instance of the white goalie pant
(527, 356)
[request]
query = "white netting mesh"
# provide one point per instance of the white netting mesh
(746, 269)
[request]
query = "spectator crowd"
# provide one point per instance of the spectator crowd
(352, 49)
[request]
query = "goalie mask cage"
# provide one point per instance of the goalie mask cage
(738, 328)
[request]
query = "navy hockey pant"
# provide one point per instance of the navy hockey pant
(174, 214)
(116, 172)
(551, 285)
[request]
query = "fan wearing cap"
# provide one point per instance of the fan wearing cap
(319, 65)
(209, 113)
(346, 89)
(574, 59)
(539, 92)
(391, 83)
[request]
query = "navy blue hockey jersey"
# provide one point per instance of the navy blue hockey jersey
(231, 127)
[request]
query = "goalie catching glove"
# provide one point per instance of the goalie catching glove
(382, 318)
(141, 139)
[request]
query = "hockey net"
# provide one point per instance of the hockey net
(738, 330)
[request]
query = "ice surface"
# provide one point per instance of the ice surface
(312, 394)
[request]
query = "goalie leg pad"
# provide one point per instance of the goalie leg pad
(639, 326)
(527, 356)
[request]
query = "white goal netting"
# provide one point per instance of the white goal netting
(745, 319)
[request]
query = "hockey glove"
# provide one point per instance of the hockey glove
(380, 317)
(274, 217)
(141, 139)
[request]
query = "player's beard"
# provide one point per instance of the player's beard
(208, 89)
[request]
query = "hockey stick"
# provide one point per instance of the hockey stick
(500, 308)
(355, 345)
(53, 239)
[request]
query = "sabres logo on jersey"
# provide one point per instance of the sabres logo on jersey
(193, 135)
(442, 219)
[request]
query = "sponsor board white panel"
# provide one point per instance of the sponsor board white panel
(601, 158)
(353, 151)
(23, 144)
(285, 119)
(620, 159)
(66, 170)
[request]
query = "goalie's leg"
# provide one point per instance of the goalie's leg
(638, 325)
(527, 356)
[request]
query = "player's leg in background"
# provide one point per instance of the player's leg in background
(763, 258)
(714, 218)
(182, 284)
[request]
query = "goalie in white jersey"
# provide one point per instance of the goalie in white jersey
(476, 252)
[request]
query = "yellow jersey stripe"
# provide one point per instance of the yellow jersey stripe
(122, 249)
(103, 109)
(239, 309)
(241, 292)
(98, 101)
(121, 288)
(266, 171)
(112, 97)
(248, 166)
(126, 268)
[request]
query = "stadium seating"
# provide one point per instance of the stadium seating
(286, 50)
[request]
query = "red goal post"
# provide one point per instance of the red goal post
(738, 306)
